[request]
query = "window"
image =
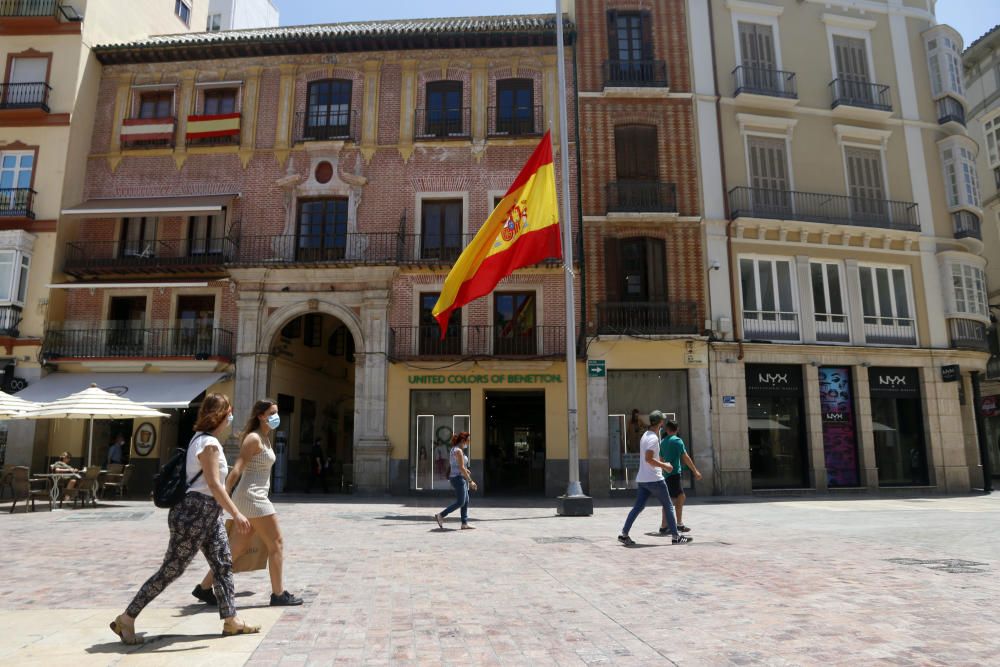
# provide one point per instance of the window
(635, 272)
(441, 229)
(15, 182)
(183, 11)
(960, 179)
(126, 326)
(514, 323)
(992, 129)
(195, 319)
(828, 301)
(768, 290)
(851, 54)
(206, 233)
(328, 114)
(219, 101)
(138, 237)
(637, 169)
(969, 283)
(630, 51)
(515, 112)
(759, 71)
(429, 333)
(444, 109)
(13, 276)
(944, 61)
(885, 304)
(26, 85)
(158, 104)
(214, 23)
(864, 183)
(312, 335)
(322, 229)
(769, 182)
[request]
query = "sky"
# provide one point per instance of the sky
(972, 18)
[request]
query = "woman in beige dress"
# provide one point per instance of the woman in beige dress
(253, 470)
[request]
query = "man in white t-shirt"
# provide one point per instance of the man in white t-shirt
(650, 482)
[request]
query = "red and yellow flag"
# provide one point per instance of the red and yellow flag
(522, 230)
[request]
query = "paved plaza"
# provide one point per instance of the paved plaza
(782, 581)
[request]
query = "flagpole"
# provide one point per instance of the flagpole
(574, 503)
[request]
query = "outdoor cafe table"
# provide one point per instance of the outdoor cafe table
(54, 478)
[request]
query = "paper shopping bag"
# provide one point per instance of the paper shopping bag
(255, 558)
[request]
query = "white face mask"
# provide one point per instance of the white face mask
(274, 421)
(229, 419)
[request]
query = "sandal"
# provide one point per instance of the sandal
(241, 629)
(466, 526)
(126, 634)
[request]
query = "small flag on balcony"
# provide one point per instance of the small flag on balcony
(147, 129)
(217, 125)
(522, 230)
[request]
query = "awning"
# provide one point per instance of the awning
(157, 390)
(96, 208)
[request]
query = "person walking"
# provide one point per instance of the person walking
(673, 451)
(196, 523)
(116, 450)
(317, 470)
(461, 480)
(253, 470)
(649, 481)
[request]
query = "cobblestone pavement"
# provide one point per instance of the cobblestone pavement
(776, 582)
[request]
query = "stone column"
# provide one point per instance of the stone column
(700, 430)
(550, 99)
(369, 117)
(807, 319)
(855, 313)
(185, 107)
(479, 100)
(283, 134)
(407, 107)
(251, 367)
(598, 444)
(865, 431)
(733, 455)
(248, 114)
(371, 443)
(814, 427)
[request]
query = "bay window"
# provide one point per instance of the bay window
(944, 61)
(14, 267)
(961, 182)
(969, 285)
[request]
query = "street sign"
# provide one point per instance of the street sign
(595, 368)
(950, 373)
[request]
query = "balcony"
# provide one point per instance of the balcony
(832, 328)
(647, 318)
(175, 256)
(635, 74)
(148, 133)
(453, 123)
(424, 341)
(213, 130)
(17, 203)
(326, 126)
(348, 249)
(515, 121)
(127, 341)
(771, 325)
(641, 197)
(968, 230)
(969, 335)
(765, 87)
(860, 99)
(10, 321)
(890, 330)
(25, 96)
(820, 207)
(950, 110)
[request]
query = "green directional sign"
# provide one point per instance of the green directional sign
(595, 368)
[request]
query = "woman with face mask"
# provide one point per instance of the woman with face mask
(461, 480)
(253, 470)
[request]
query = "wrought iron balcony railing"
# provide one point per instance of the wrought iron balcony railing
(326, 125)
(647, 317)
(437, 249)
(25, 96)
(515, 121)
(638, 73)
(770, 325)
(184, 255)
(764, 81)
(969, 335)
(507, 340)
(438, 123)
(967, 225)
(17, 203)
(847, 92)
(821, 207)
(347, 248)
(130, 341)
(641, 196)
(950, 110)
(10, 320)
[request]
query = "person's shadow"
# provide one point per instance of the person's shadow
(153, 644)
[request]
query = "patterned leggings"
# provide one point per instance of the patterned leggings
(195, 523)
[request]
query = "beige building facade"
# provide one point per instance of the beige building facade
(846, 280)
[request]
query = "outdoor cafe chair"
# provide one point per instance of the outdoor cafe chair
(85, 489)
(116, 481)
(7, 479)
(28, 489)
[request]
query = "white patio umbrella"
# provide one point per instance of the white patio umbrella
(12, 407)
(90, 403)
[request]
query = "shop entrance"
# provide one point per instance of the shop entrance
(312, 379)
(515, 443)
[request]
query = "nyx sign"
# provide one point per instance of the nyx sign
(834, 417)
(894, 382)
(773, 379)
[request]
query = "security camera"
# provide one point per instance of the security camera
(714, 265)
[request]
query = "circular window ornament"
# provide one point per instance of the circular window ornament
(324, 172)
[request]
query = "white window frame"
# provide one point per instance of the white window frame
(908, 284)
(795, 307)
(991, 130)
(973, 296)
(963, 162)
(187, 5)
(761, 14)
(949, 63)
(828, 325)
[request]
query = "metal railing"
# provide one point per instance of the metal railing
(967, 225)
(347, 248)
(821, 207)
(28, 8)
(890, 330)
(25, 96)
(950, 110)
(225, 140)
(10, 320)
(969, 335)
(17, 203)
(647, 317)
(770, 325)
(639, 73)
(848, 92)
(451, 123)
(510, 121)
(764, 81)
(832, 328)
(326, 125)
(478, 341)
(641, 196)
(128, 340)
(182, 255)
(164, 142)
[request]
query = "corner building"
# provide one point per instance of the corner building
(851, 301)
(273, 213)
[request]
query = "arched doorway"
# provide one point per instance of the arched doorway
(312, 375)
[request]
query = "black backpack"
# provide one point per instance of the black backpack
(171, 484)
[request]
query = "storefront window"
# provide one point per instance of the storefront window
(898, 426)
(632, 395)
(840, 443)
(434, 417)
(775, 427)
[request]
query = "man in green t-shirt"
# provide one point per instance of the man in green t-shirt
(673, 451)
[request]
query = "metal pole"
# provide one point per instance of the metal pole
(573, 489)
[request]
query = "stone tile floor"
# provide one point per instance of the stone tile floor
(860, 581)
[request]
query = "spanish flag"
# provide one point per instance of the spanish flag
(522, 230)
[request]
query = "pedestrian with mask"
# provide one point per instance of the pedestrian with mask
(460, 479)
(253, 470)
(196, 524)
(649, 482)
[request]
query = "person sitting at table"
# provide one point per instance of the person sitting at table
(62, 466)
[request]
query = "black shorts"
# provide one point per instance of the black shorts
(674, 485)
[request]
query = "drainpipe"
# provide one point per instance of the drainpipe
(984, 452)
(579, 203)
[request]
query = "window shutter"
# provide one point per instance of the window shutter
(852, 59)
(768, 170)
(864, 170)
(646, 20)
(656, 261)
(612, 269)
(612, 35)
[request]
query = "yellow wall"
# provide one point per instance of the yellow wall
(629, 353)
